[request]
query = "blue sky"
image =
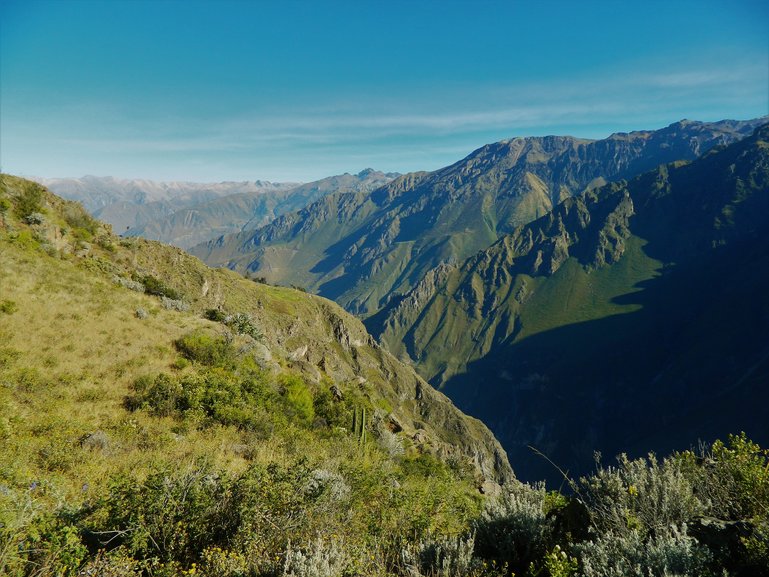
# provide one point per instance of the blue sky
(299, 90)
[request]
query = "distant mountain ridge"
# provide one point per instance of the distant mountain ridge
(634, 315)
(363, 249)
(127, 203)
(250, 210)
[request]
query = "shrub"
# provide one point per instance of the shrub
(156, 287)
(732, 477)
(218, 562)
(214, 315)
(36, 539)
(8, 307)
(160, 395)
(171, 515)
(83, 224)
(557, 563)
(329, 484)
(272, 505)
(444, 557)
(128, 283)
(218, 395)
(322, 558)
(629, 554)
(425, 465)
(29, 200)
(297, 398)
(514, 528)
(336, 413)
(243, 324)
(205, 349)
(640, 494)
(174, 305)
(34, 218)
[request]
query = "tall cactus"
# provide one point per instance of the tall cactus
(359, 425)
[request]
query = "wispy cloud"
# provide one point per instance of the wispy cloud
(432, 129)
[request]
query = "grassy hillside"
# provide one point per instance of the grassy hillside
(113, 370)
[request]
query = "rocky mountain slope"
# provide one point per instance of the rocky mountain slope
(128, 203)
(106, 310)
(632, 316)
(249, 210)
(361, 249)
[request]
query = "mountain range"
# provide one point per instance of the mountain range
(363, 249)
(632, 316)
(559, 289)
(250, 210)
(184, 214)
(129, 203)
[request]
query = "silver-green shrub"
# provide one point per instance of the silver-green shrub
(514, 527)
(642, 495)
(128, 283)
(244, 324)
(630, 554)
(446, 557)
(174, 304)
(320, 559)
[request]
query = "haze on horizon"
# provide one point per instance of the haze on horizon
(296, 91)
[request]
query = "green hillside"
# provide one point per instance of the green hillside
(633, 316)
(124, 361)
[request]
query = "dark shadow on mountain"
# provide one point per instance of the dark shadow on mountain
(691, 364)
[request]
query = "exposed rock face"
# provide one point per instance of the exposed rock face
(362, 249)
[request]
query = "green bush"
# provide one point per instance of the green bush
(335, 412)
(735, 479)
(298, 398)
(217, 395)
(156, 287)
(83, 224)
(171, 516)
(214, 315)
(35, 538)
(29, 200)
(8, 307)
(211, 351)
(243, 324)
(425, 465)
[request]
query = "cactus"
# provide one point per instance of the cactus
(359, 425)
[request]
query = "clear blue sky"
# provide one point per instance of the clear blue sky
(298, 90)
